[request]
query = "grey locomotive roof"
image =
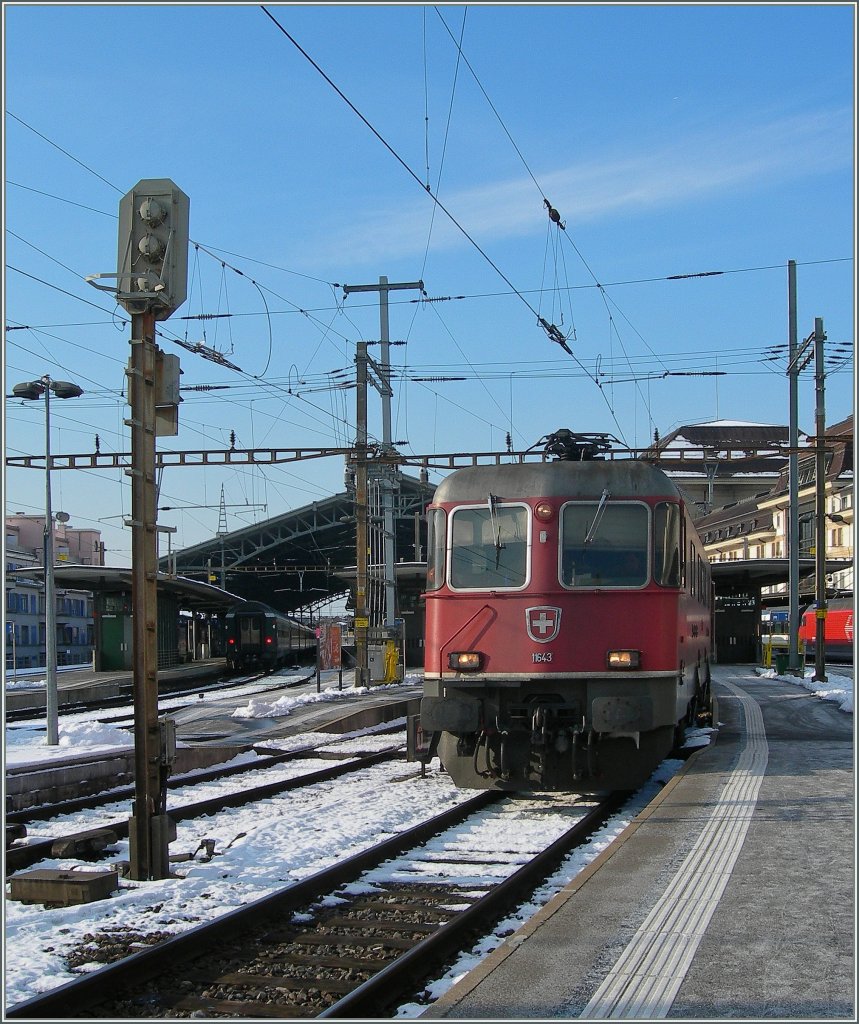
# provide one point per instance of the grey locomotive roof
(623, 478)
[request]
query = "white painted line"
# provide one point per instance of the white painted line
(646, 978)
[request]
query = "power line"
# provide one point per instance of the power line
(401, 161)
(65, 152)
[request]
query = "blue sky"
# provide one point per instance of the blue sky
(672, 140)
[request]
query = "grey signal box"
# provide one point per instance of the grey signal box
(152, 266)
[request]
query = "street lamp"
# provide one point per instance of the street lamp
(33, 390)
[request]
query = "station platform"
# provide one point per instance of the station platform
(84, 684)
(208, 733)
(730, 896)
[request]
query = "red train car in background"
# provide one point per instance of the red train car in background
(837, 631)
(568, 621)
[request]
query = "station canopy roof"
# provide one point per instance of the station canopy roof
(192, 595)
(766, 572)
(297, 559)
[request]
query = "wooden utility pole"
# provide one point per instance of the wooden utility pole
(151, 283)
(148, 826)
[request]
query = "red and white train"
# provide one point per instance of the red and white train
(837, 634)
(568, 621)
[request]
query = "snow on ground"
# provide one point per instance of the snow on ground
(838, 685)
(25, 744)
(262, 848)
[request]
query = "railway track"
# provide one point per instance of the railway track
(88, 842)
(165, 691)
(354, 940)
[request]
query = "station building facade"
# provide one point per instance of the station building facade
(756, 527)
(25, 640)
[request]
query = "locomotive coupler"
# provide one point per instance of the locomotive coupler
(540, 732)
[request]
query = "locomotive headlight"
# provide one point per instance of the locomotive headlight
(465, 661)
(543, 511)
(623, 659)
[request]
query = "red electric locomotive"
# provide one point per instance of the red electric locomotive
(837, 634)
(568, 621)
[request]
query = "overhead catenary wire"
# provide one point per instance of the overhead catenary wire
(428, 192)
(269, 313)
(400, 160)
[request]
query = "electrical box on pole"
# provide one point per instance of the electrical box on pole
(167, 397)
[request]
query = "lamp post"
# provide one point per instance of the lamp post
(33, 390)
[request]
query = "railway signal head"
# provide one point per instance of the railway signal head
(152, 267)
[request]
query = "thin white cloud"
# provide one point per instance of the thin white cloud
(701, 165)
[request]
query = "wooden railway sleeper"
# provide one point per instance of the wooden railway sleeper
(231, 1008)
(378, 924)
(370, 941)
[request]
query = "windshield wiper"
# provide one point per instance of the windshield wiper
(599, 514)
(496, 527)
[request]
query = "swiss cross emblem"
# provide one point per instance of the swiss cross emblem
(543, 623)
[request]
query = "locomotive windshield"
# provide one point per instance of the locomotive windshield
(489, 547)
(604, 544)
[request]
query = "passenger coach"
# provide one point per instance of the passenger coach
(258, 637)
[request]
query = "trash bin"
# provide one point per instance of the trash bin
(781, 662)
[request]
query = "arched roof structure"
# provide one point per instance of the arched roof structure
(292, 561)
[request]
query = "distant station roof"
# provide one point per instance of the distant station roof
(190, 594)
(295, 559)
(727, 448)
(766, 572)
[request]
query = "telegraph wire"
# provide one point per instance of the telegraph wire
(489, 101)
(63, 291)
(60, 199)
(401, 161)
(47, 255)
(116, 316)
(435, 198)
(65, 152)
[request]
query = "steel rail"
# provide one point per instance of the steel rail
(392, 983)
(74, 998)
(164, 690)
(18, 858)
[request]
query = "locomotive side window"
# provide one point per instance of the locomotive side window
(436, 548)
(666, 544)
(604, 544)
(489, 547)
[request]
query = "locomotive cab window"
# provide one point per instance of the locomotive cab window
(435, 547)
(489, 547)
(666, 544)
(604, 544)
